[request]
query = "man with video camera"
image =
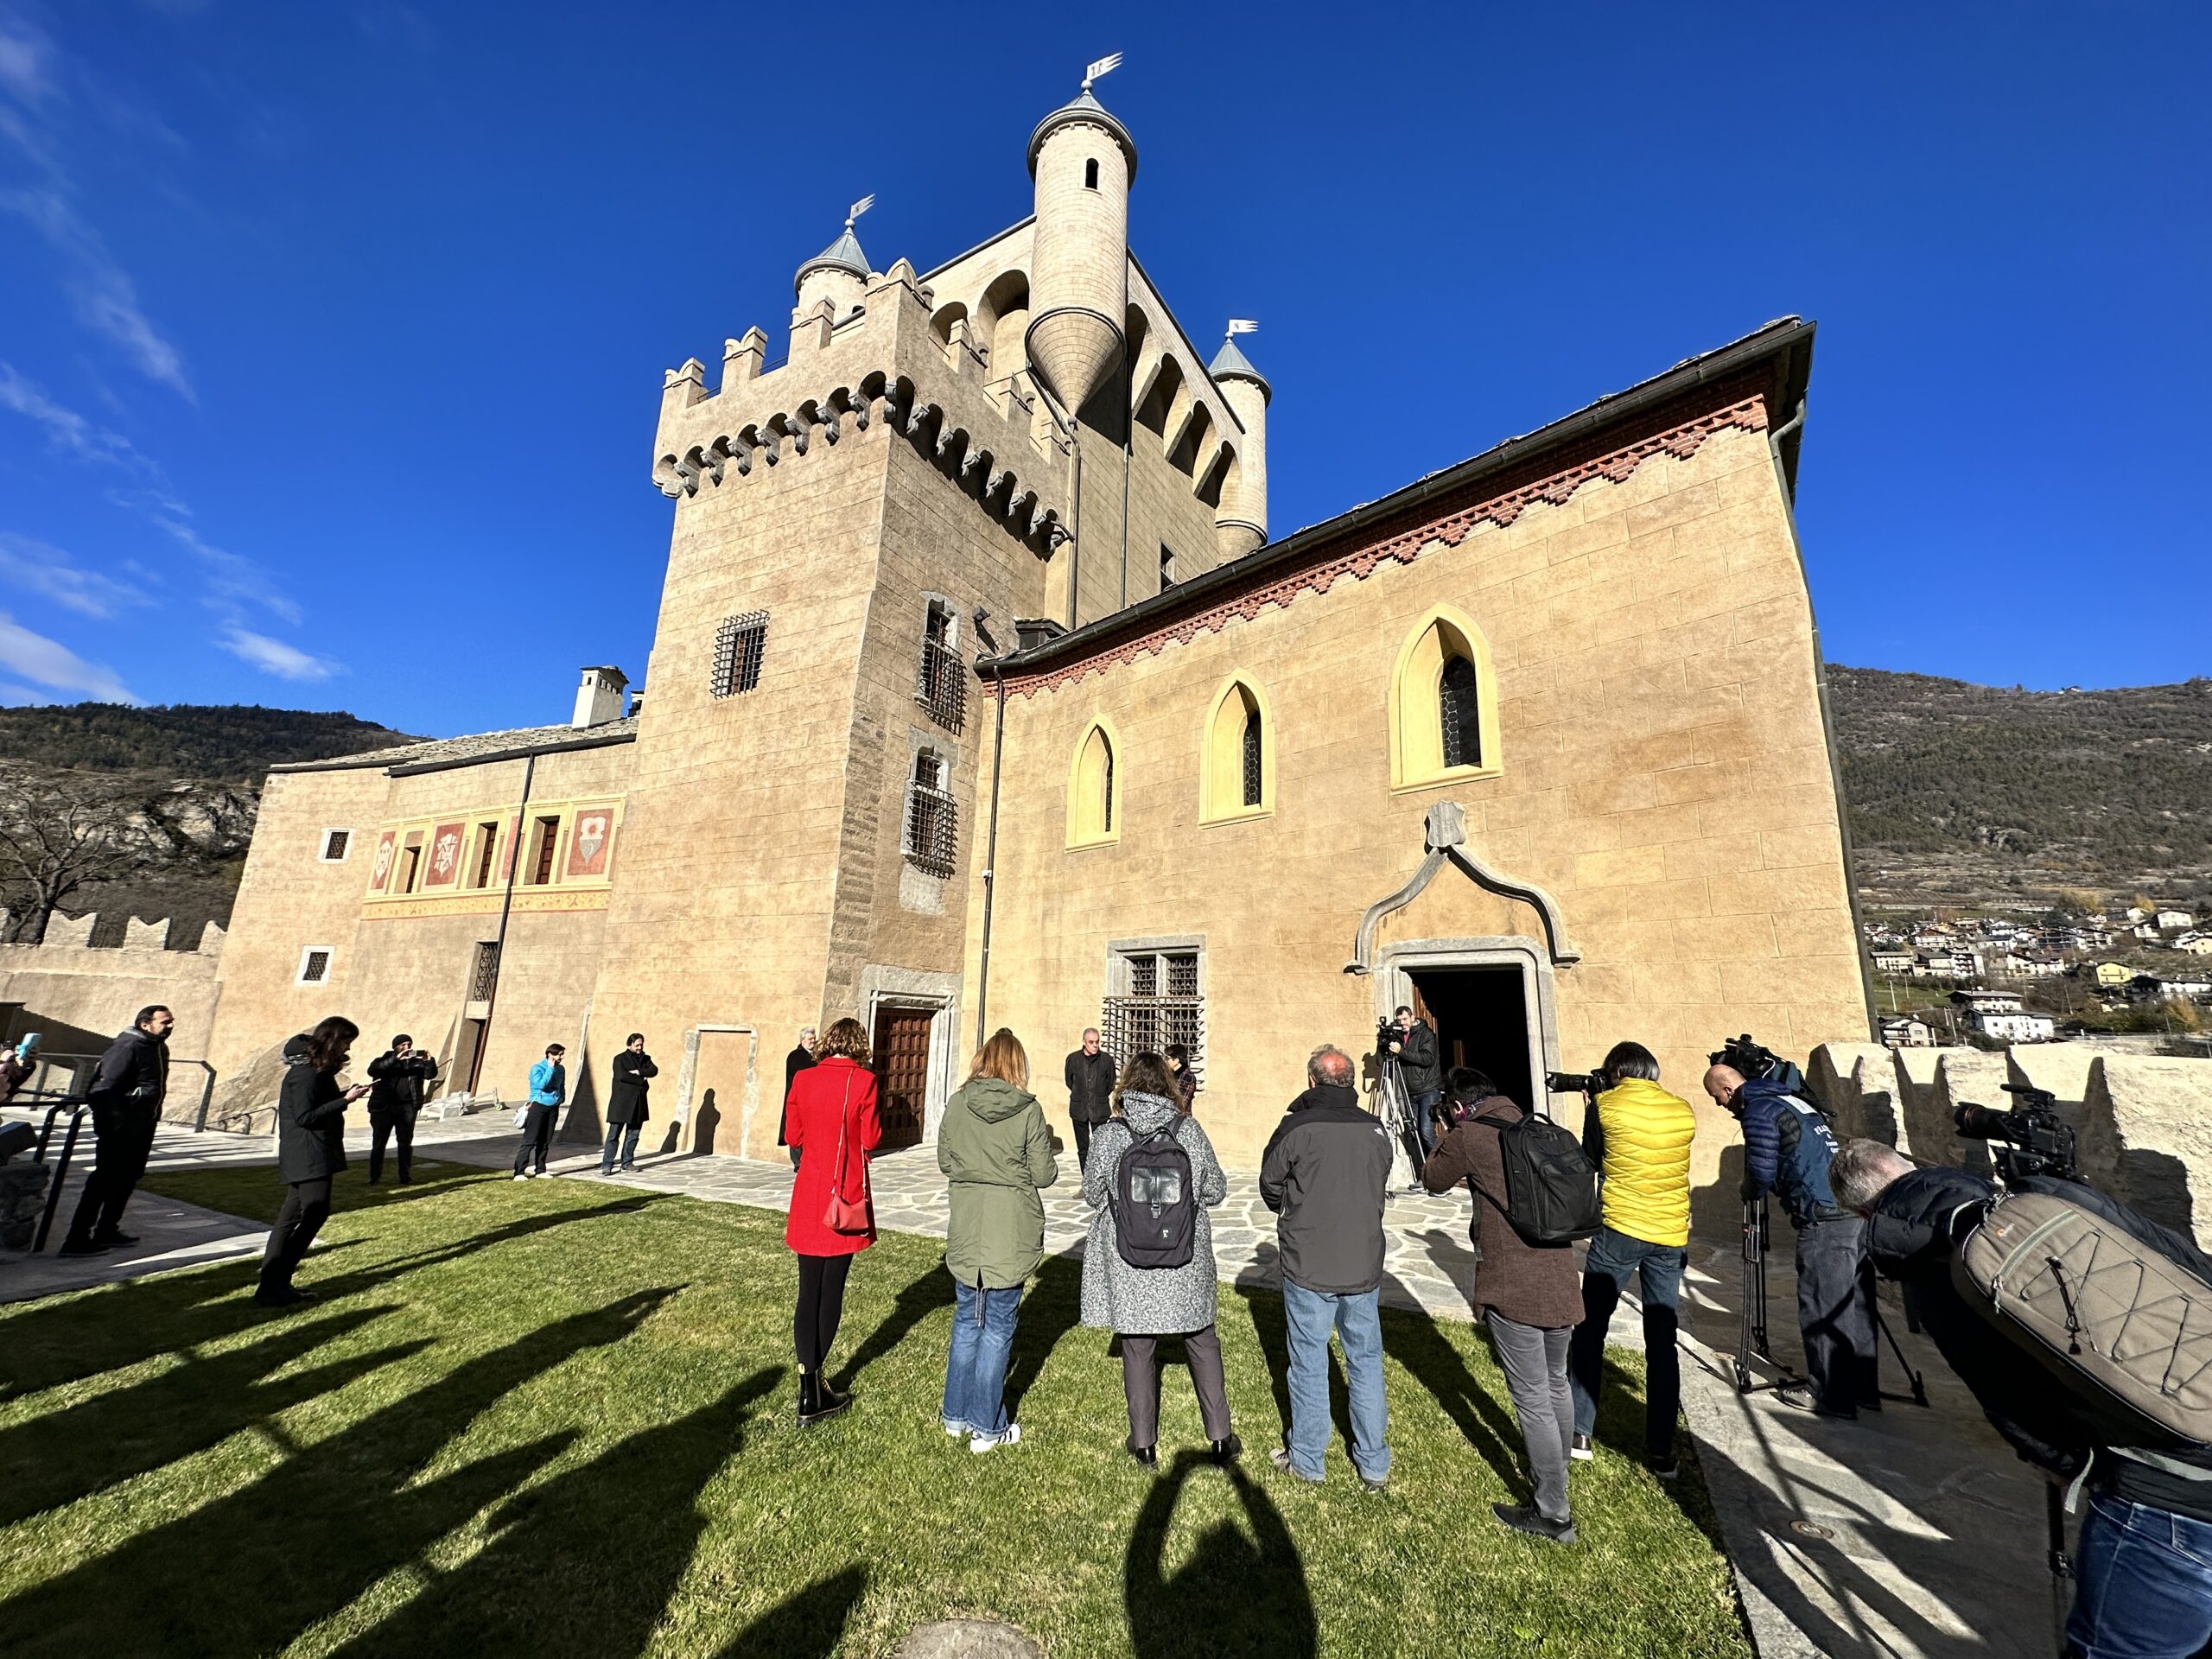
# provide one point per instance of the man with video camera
(1787, 1148)
(2144, 1566)
(1412, 1044)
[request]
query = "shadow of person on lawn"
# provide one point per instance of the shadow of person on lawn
(808, 1625)
(1248, 1592)
(587, 1562)
(919, 1298)
(247, 1572)
(1052, 1308)
(1415, 1341)
(1263, 1303)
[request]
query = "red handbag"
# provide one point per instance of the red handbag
(847, 1214)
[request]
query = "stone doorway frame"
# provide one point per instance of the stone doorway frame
(920, 990)
(687, 1076)
(1394, 985)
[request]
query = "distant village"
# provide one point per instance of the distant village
(2043, 976)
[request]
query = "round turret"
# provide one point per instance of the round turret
(838, 274)
(1082, 160)
(1240, 522)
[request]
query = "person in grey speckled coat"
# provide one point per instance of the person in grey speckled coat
(1141, 1305)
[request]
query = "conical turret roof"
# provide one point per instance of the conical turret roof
(844, 254)
(1228, 362)
(1083, 107)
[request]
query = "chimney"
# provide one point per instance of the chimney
(599, 699)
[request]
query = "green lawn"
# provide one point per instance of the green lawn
(555, 1419)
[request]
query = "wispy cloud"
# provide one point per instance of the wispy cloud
(25, 59)
(50, 664)
(64, 427)
(37, 567)
(275, 657)
(100, 292)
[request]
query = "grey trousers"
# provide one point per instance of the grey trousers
(1140, 1384)
(1534, 1362)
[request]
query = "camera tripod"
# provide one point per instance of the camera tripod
(1752, 1334)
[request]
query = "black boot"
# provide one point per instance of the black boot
(827, 1402)
(806, 1398)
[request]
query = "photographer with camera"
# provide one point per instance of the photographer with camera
(1412, 1044)
(1639, 1136)
(2144, 1566)
(1786, 1149)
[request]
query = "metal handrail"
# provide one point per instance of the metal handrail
(77, 1107)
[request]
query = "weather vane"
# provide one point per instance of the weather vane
(1241, 326)
(1105, 66)
(857, 209)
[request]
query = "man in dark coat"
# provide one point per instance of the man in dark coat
(1089, 1074)
(126, 1101)
(1422, 1072)
(625, 1102)
(399, 1079)
(794, 1063)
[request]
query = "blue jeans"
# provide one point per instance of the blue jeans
(1423, 1108)
(2143, 1584)
(1614, 1258)
(1358, 1321)
(975, 1370)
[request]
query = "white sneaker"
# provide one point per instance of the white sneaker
(522, 1178)
(983, 1443)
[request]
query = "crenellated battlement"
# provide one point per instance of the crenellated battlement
(68, 936)
(880, 368)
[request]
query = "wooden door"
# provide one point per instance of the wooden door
(901, 1048)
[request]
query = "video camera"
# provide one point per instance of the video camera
(1755, 1062)
(1387, 1032)
(2035, 1141)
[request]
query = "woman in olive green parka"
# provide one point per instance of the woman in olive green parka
(993, 1145)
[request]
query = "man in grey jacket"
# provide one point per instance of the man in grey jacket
(1325, 1175)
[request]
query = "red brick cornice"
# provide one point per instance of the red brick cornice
(1404, 544)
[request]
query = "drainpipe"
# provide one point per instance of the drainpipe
(506, 906)
(1075, 532)
(1828, 731)
(990, 860)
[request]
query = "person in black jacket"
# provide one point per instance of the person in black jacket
(1089, 1074)
(398, 1079)
(625, 1102)
(796, 1061)
(310, 1149)
(2143, 1573)
(1422, 1072)
(126, 1101)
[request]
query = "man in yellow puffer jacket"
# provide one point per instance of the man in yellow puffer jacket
(1639, 1136)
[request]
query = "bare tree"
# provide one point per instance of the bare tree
(59, 834)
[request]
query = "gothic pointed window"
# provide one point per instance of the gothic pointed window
(1459, 709)
(1094, 802)
(1443, 704)
(1235, 767)
(1253, 776)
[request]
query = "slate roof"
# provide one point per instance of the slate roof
(439, 752)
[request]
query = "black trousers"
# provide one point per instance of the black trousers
(124, 1136)
(536, 1136)
(306, 1206)
(1836, 1314)
(821, 1306)
(1081, 1141)
(399, 1128)
(626, 1134)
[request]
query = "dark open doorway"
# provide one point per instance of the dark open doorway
(1481, 1016)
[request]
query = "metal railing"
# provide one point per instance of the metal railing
(932, 837)
(941, 684)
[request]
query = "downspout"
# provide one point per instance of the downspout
(1129, 448)
(1075, 532)
(506, 907)
(990, 862)
(1827, 730)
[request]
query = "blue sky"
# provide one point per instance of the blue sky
(331, 335)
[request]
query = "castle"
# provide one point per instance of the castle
(979, 696)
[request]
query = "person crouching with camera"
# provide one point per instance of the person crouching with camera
(1525, 1293)
(1786, 1149)
(2143, 1571)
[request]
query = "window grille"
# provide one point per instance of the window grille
(315, 967)
(1106, 807)
(941, 678)
(486, 973)
(1252, 775)
(334, 846)
(740, 644)
(1145, 1021)
(933, 835)
(1458, 704)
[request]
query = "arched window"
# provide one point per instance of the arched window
(1094, 798)
(1237, 765)
(1091, 174)
(1443, 704)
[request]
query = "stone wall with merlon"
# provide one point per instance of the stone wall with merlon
(2148, 1139)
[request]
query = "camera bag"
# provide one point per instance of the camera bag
(1155, 1211)
(2116, 1307)
(1551, 1186)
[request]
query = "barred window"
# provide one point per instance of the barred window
(932, 833)
(1233, 781)
(1460, 702)
(334, 842)
(486, 974)
(941, 678)
(1252, 778)
(740, 644)
(314, 964)
(1160, 1003)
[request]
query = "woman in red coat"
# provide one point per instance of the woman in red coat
(831, 1105)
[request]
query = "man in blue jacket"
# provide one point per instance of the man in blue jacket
(1787, 1146)
(549, 1087)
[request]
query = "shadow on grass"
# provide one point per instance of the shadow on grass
(1413, 1340)
(917, 1299)
(588, 1562)
(1264, 1304)
(247, 1572)
(1052, 1308)
(807, 1626)
(1233, 1594)
(65, 1455)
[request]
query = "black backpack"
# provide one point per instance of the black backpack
(1155, 1211)
(1551, 1186)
